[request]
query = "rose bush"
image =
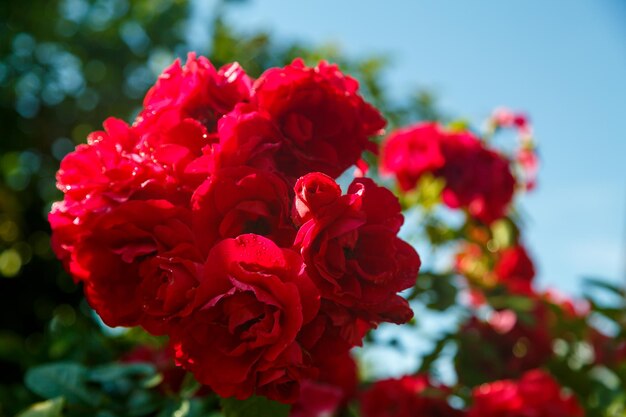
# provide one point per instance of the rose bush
(217, 222)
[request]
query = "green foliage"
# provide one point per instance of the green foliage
(68, 380)
(50, 408)
(254, 407)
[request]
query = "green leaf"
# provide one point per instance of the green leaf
(187, 408)
(254, 407)
(504, 234)
(50, 408)
(63, 379)
(603, 284)
(121, 370)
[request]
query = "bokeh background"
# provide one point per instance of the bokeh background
(66, 65)
(562, 62)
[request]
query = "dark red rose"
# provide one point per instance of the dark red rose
(332, 389)
(351, 249)
(119, 284)
(235, 201)
(334, 329)
(168, 282)
(608, 351)
(409, 396)
(536, 394)
(325, 123)
(477, 179)
(316, 400)
(251, 304)
(503, 347)
(410, 152)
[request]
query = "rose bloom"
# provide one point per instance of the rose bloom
(98, 176)
(325, 124)
(251, 304)
(331, 390)
(503, 347)
(510, 267)
(196, 90)
(608, 351)
(535, 394)
(409, 396)
(515, 269)
(410, 152)
(477, 179)
(178, 124)
(350, 247)
(239, 200)
(140, 264)
(247, 136)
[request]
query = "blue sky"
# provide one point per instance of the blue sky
(562, 61)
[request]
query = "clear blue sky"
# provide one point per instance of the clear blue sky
(562, 61)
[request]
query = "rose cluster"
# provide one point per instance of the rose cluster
(215, 219)
(477, 178)
(535, 394)
(408, 396)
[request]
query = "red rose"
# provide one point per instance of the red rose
(247, 137)
(313, 193)
(477, 178)
(234, 201)
(409, 396)
(608, 351)
(410, 152)
(515, 269)
(251, 304)
(511, 268)
(503, 347)
(535, 394)
(325, 123)
(178, 151)
(351, 249)
(168, 282)
(331, 390)
(97, 177)
(197, 91)
(181, 111)
(334, 329)
(125, 283)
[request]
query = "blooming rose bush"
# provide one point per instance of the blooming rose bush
(220, 223)
(190, 223)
